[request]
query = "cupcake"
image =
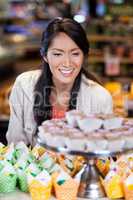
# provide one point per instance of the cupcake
(90, 124)
(66, 188)
(8, 177)
(113, 123)
(71, 117)
(40, 186)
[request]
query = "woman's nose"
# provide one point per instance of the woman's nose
(67, 61)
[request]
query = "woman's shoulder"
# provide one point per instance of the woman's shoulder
(87, 82)
(94, 97)
(27, 80)
(29, 76)
(94, 87)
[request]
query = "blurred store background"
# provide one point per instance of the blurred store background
(108, 23)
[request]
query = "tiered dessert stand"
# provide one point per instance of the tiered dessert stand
(90, 185)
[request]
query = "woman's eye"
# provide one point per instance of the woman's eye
(75, 54)
(57, 54)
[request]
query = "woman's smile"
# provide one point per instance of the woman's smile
(66, 72)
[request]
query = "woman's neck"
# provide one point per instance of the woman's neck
(61, 88)
(60, 94)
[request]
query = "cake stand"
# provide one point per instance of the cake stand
(90, 184)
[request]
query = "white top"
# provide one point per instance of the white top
(92, 98)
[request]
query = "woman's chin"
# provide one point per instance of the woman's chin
(67, 80)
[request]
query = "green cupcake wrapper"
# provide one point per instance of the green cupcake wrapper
(22, 183)
(7, 183)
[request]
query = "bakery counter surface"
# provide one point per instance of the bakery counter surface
(20, 195)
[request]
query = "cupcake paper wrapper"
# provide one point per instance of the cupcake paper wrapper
(22, 183)
(67, 191)
(40, 192)
(7, 183)
(113, 187)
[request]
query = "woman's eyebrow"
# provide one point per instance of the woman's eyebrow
(56, 49)
(75, 49)
(61, 50)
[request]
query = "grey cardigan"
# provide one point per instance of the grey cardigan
(92, 98)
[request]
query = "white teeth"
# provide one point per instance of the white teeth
(66, 71)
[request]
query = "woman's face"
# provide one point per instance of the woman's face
(65, 59)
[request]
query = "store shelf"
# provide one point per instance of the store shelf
(35, 43)
(99, 59)
(8, 58)
(106, 38)
(27, 46)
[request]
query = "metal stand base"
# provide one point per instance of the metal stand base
(90, 186)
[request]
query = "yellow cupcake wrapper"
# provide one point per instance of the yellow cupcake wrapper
(40, 192)
(113, 188)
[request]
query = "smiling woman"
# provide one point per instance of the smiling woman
(63, 83)
(65, 59)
